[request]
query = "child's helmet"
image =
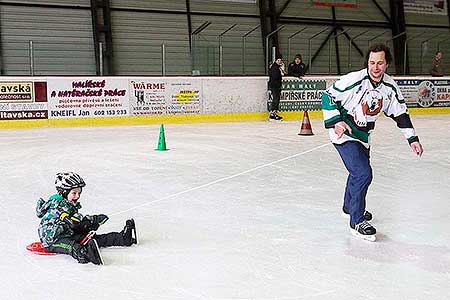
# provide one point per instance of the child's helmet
(66, 181)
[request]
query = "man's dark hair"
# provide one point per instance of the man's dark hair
(379, 48)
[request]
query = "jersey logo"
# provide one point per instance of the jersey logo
(372, 103)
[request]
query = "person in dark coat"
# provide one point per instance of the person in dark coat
(276, 72)
(297, 68)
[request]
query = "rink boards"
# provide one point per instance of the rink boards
(89, 101)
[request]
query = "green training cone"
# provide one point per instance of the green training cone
(161, 140)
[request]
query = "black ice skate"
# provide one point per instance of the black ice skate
(274, 116)
(367, 215)
(89, 252)
(93, 252)
(364, 230)
(129, 233)
(79, 252)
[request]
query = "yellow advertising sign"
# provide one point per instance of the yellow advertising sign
(16, 92)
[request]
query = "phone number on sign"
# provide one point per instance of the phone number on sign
(119, 112)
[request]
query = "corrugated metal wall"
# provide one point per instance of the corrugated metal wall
(424, 42)
(138, 38)
(206, 46)
(63, 38)
(307, 39)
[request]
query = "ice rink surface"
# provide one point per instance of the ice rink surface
(231, 211)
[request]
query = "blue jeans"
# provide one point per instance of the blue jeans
(356, 159)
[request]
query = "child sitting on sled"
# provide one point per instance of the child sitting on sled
(63, 228)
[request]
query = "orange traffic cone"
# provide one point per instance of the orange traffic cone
(306, 125)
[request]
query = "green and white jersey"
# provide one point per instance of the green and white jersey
(358, 101)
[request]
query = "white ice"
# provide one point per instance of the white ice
(231, 211)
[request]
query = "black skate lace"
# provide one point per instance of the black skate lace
(363, 225)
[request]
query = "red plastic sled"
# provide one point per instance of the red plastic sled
(37, 248)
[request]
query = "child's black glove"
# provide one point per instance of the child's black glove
(84, 226)
(77, 225)
(96, 221)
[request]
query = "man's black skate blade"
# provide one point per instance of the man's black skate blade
(365, 237)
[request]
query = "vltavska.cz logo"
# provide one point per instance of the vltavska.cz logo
(16, 92)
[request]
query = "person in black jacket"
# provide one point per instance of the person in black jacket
(436, 66)
(297, 68)
(276, 72)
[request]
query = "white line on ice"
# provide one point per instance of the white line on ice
(220, 180)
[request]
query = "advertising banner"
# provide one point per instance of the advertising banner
(72, 97)
(305, 94)
(341, 3)
(425, 92)
(299, 95)
(435, 7)
(165, 96)
(23, 100)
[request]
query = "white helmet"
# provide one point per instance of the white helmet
(66, 181)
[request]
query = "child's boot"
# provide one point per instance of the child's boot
(87, 253)
(129, 233)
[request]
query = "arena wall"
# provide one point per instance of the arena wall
(27, 102)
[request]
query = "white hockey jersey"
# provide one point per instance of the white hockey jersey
(358, 101)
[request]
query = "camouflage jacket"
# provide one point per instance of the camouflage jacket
(52, 227)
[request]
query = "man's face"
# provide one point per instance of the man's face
(377, 65)
(279, 61)
(438, 55)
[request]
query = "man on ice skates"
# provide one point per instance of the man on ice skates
(350, 108)
(63, 228)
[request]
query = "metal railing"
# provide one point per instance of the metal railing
(214, 66)
(267, 47)
(221, 48)
(291, 37)
(329, 47)
(244, 47)
(350, 41)
(31, 55)
(422, 46)
(406, 50)
(310, 46)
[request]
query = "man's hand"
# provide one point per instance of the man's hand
(283, 69)
(417, 148)
(340, 128)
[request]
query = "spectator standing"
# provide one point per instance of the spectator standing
(436, 65)
(297, 68)
(276, 72)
